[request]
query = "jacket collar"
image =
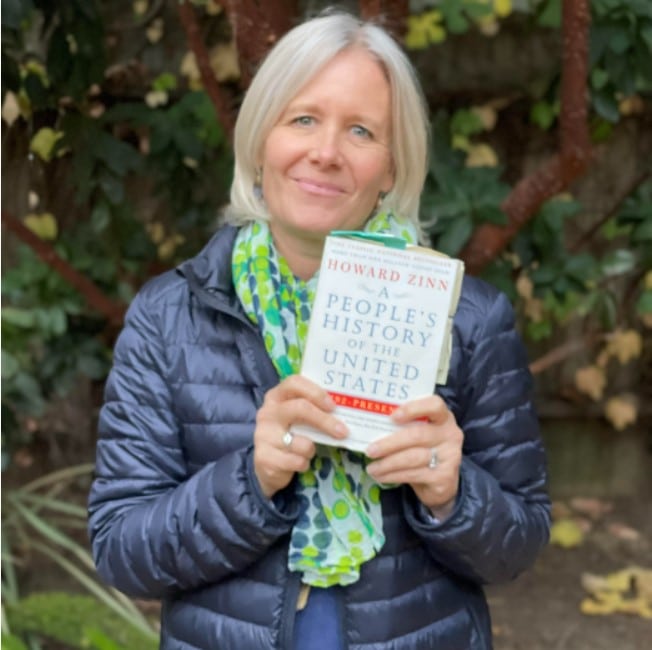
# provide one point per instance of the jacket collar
(209, 274)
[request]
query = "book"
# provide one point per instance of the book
(380, 330)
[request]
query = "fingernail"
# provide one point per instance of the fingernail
(398, 413)
(372, 451)
(371, 468)
(342, 429)
(328, 402)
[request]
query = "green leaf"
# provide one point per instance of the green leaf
(9, 641)
(606, 105)
(599, 78)
(550, 15)
(455, 236)
(10, 365)
(618, 262)
(542, 114)
(644, 302)
(619, 41)
(22, 318)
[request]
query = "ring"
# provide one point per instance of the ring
(434, 461)
(287, 439)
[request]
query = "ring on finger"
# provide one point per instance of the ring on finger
(434, 460)
(287, 439)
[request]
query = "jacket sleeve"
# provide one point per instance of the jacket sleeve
(501, 518)
(153, 528)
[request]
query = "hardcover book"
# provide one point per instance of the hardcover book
(380, 330)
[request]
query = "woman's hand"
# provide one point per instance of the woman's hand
(296, 400)
(429, 432)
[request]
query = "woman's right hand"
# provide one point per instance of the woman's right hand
(295, 400)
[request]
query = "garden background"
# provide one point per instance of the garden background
(116, 126)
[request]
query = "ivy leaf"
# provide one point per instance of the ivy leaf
(618, 262)
(44, 143)
(43, 225)
(455, 236)
(566, 533)
(550, 15)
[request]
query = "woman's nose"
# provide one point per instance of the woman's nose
(325, 148)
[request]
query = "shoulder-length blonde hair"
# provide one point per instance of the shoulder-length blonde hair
(293, 61)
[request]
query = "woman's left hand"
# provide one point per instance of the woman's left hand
(425, 452)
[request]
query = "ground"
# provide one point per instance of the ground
(541, 608)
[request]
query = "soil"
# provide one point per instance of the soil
(540, 610)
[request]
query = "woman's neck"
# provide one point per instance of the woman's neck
(302, 253)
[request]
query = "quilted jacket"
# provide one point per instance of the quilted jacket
(176, 513)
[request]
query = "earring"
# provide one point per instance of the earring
(381, 198)
(258, 185)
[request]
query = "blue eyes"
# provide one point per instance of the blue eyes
(357, 129)
(361, 131)
(303, 120)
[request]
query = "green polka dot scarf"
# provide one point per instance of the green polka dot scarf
(341, 524)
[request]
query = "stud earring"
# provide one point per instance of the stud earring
(381, 198)
(258, 184)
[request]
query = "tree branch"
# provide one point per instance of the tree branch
(391, 14)
(489, 240)
(221, 103)
(256, 27)
(95, 297)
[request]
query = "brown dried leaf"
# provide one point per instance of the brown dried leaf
(628, 591)
(591, 381)
(591, 507)
(621, 411)
(625, 345)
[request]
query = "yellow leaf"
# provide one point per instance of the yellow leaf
(647, 280)
(633, 105)
(44, 142)
(212, 8)
(503, 7)
(488, 116)
(190, 70)
(424, 30)
(524, 286)
(10, 108)
(154, 32)
(628, 591)
(481, 155)
(155, 98)
(621, 411)
(156, 231)
(625, 345)
(43, 225)
(566, 533)
(591, 381)
(224, 61)
(140, 7)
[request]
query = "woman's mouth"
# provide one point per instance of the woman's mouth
(318, 188)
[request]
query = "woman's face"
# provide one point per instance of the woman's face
(328, 158)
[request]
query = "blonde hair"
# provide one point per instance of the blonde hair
(293, 61)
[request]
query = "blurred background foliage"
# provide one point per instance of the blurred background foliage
(116, 162)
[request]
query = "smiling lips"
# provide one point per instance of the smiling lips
(318, 188)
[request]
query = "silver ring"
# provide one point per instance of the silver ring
(287, 439)
(434, 461)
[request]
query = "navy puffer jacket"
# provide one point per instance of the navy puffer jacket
(176, 512)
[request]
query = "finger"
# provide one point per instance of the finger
(414, 459)
(416, 434)
(302, 411)
(432, 408)
(297, 386)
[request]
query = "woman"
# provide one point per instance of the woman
(200, 490)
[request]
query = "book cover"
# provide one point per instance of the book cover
(380, 330)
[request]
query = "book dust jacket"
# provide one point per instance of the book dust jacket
(379, 333)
